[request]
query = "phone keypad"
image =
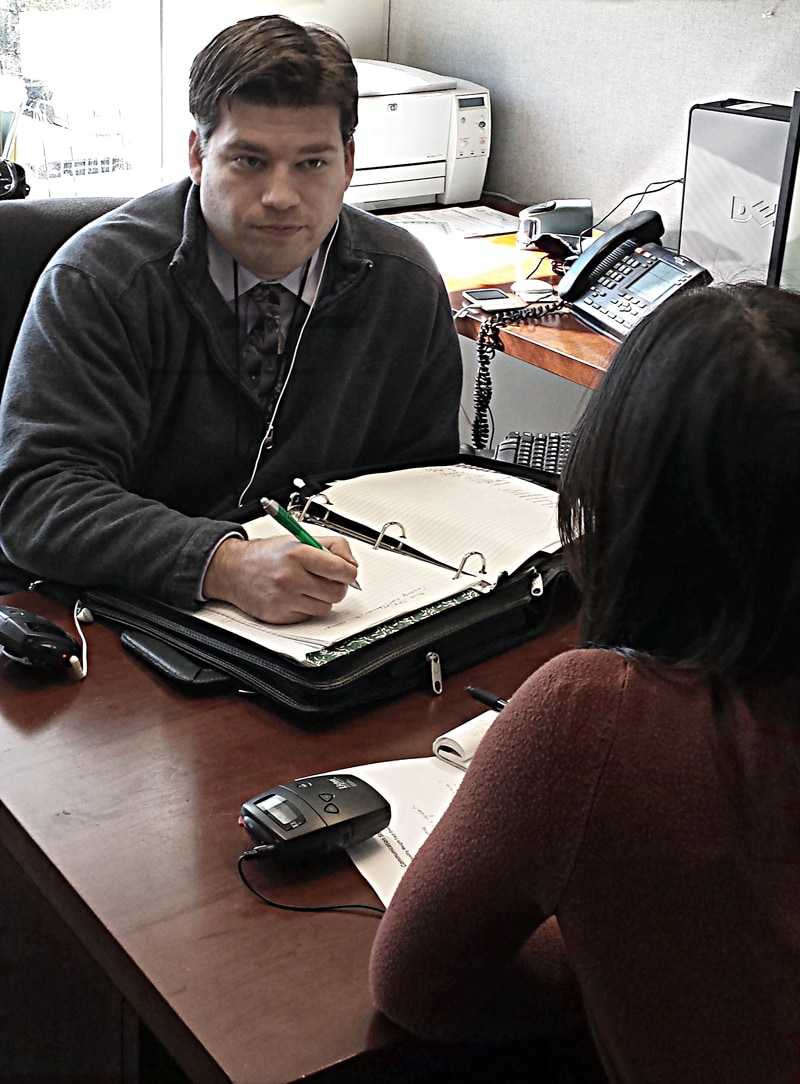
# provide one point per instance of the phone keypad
(609, 294)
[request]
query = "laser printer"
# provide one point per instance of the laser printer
(421, 137)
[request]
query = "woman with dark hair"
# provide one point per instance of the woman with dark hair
(628, 833)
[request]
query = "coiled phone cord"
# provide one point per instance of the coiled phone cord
(488, 343)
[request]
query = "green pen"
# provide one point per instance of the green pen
(278, 512)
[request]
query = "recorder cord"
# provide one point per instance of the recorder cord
(260, 852)
(488, 343)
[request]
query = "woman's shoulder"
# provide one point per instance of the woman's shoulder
(584, 702)
(572, 701)
(592, 671)
(584, 672)
(586, 693)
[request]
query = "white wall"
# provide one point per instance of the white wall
(592, 97)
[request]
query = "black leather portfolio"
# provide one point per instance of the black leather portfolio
(458, 561)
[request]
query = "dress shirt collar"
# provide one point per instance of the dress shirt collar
(220, 268)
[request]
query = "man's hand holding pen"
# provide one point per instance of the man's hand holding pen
(281, 580)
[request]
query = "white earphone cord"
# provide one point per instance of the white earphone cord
(267, 438)
(81, 615)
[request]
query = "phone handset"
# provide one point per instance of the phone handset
(643, 227)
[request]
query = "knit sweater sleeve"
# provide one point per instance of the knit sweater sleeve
(464, 949)
(75, 420)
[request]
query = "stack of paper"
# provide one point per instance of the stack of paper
(418, 791)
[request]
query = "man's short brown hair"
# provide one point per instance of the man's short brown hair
(271, 60)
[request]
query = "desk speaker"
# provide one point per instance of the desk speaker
(734, 159)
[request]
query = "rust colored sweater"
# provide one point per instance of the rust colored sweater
(664, 839)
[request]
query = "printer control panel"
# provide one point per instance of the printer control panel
(472, 125)
(469, 143)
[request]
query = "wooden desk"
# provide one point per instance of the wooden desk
(120, 799)
(559, 343)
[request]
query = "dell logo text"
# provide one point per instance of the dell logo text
(760, 212)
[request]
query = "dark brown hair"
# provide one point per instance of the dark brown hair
(271, 60)
(680, 502)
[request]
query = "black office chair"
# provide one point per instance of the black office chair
(30, 232)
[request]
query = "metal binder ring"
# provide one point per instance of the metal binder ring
(472, 553)
(385, 528)
(310, 501)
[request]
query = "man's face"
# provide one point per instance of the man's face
(271, 182)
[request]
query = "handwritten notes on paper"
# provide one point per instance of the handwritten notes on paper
(446, 513)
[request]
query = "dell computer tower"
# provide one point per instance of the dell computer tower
(734, 158)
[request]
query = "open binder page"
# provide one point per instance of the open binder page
(478, 523)
(449, 511)
(392, 584)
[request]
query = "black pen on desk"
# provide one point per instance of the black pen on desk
(489, 699)
(279, 513)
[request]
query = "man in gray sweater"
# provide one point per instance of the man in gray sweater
(136, 419)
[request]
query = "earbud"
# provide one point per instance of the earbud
(77, 666)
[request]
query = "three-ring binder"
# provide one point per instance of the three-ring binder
(414, 625)
(384, 529)
(472, 553)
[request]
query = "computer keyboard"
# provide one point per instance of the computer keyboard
(544, 452)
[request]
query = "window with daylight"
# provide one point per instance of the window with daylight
(80, 94)
(93, 93)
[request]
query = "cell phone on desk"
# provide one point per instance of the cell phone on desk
(625, 273)
(490, 299)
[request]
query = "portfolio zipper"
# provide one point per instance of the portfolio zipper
(206, 649)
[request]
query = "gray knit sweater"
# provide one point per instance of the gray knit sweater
(126, 431)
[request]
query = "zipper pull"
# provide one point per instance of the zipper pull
(537, 584)
(435, 664)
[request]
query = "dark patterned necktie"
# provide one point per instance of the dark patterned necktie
(262, 354)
